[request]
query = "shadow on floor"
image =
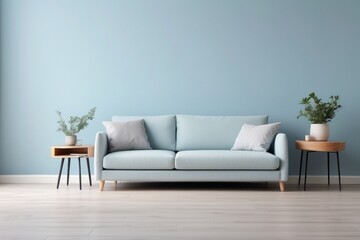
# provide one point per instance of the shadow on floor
(198, 186)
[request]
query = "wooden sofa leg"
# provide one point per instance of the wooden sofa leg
(101, 185)
(282, 186)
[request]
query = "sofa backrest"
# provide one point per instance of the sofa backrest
(211, 132)
(160, 130)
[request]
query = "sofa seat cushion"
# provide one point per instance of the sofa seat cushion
(225, 160)
(140, 160)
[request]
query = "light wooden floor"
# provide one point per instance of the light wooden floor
(179, 211)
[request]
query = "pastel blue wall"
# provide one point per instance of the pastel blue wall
(160, 57)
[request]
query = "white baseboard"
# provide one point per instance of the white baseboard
(23, 179)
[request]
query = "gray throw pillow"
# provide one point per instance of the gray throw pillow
(129, 135)
(256, 137)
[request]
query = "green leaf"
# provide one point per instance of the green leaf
(75, 123)
(317, 111)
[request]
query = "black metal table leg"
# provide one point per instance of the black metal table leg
(328, 163)
(79, 173)
(68, 172)
(61, 167)
(338, 163)
(88, 167)
(301, 158)
(306, 164)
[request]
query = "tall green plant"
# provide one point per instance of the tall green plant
(75, 123)
(317, 111)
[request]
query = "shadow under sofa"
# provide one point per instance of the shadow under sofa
(189, 148)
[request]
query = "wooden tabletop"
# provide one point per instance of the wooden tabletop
(320, 146)
(72, 147)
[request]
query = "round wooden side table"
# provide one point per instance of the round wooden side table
(319, 146)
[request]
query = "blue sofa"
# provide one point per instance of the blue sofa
(187, 148)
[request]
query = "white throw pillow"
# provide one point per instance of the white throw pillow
(129, 135)
(256, 137)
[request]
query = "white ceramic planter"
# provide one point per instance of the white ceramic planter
(319, 132)
(70, 140)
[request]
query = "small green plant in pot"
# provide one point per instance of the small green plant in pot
(75, 125)
(319, 114)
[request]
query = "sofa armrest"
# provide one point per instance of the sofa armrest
(282, 152)
(101, 148)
